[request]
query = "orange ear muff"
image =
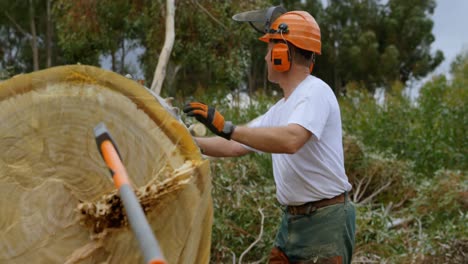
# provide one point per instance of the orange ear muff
(280, 57)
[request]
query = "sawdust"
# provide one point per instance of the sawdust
(108, 211)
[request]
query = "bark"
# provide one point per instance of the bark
(172, 77)
(49, 35)
(33, 36)
(113, 61)
(122, 56)
(160, 72)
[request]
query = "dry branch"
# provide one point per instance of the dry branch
(257, 240)
(160, 72)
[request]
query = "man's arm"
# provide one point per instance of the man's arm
(220, 147)
(285, 139)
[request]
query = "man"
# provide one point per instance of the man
(303, 133)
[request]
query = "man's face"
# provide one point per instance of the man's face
(272, 74)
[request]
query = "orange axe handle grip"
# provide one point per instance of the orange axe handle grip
(136, 216)
(110, 156)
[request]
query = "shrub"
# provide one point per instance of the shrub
(376, 178)
(430, 133)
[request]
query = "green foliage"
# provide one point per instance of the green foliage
(242, 187)
(401, 218)
(423, 218)
(459, 69)
(7, 56)
(375, 177)
(373, 43)
(365, 42)
(16, 54)
(376, 124)
(431, 133)
(88, 29)
(432, 227)
(443, 125)
(374, 239)
(441, 201)
(78, 31)
(210, 49)
(6, 73)
(413, 41)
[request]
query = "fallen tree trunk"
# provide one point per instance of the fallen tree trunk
(57, 202)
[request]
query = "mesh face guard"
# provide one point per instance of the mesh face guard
(260, 20)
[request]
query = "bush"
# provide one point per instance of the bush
(431, 133)
(242, 187)
(431, 228)
(6, 73)
(442, 125)
(376, 178)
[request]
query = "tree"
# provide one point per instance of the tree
(90, 28)
(160, 72)
(364, 41)
(120, 23)
(26, 36)
(210, 50)
(79, 31)
(408, 27)
(373, 43)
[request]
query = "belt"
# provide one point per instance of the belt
(311, 207)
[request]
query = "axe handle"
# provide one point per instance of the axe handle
(136, 217)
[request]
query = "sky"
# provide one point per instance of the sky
(450, 30)
(451, 37)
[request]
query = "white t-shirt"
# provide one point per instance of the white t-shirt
(316, 171)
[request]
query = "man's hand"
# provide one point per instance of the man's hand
(211, 118)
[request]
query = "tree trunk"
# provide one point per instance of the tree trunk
(57, 201)
(33, 36)
(122, 56)
(10, 57)
(49, 35)
(113, 60)
(172, 77)
(160, 72)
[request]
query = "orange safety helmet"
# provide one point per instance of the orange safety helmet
(297, 27)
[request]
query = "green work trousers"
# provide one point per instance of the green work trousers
(323, 236)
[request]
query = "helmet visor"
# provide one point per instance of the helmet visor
(260, 20)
